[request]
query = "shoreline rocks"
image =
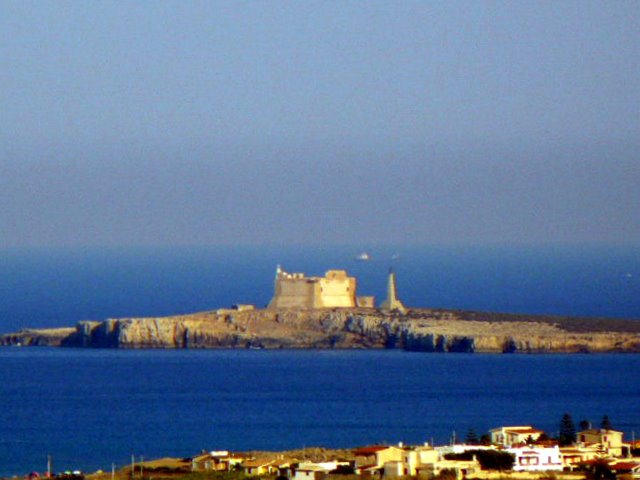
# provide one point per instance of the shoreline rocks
(424, 330)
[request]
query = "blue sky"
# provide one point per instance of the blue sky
(169, 123)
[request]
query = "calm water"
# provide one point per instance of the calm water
(88, 408)
(54, 287)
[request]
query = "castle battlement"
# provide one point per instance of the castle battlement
(295, 290)
(336, 289)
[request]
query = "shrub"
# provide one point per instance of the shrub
(446, 474)
(488, 459)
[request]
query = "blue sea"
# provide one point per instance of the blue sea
(56, 287)
(89, 408)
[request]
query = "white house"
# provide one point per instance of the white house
(508, 436)
(574, 455)
(610, 441)
(310, 472)
(316, 470)
(536, 459)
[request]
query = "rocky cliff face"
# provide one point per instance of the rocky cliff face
(419, 330)
(42, 337)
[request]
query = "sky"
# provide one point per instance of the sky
(334, 122)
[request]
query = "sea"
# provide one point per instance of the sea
(91, 409)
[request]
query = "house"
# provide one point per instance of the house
(536, 459)
(220, 460)
(310, 473)
(427, 461)
(371, 459)
(202, 462)
(233, 461)
(508, 436)
(609, 441)
(573, 456)
(407, 466)
(394, 469)
(285, 467)
(461, 468)
(428, 454)
(260, 466)
(315, 470)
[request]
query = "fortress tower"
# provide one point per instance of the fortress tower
(392, 302)
(295, 290)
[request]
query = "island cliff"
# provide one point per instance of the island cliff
(427, 330)
(325, 312)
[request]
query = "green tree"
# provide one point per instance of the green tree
(446, 474)
(488, 459)
(601, 471)
(585, 425)
(495, 460)
(543, 438)
(567, 432)
(605, 423)
(472, 438)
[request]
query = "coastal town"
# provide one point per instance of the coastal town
(506, 449)
(518, 452)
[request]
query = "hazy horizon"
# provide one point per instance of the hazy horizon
(319, 123)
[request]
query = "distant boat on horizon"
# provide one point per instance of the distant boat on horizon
(363, 257)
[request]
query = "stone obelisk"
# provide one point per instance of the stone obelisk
(392, 302)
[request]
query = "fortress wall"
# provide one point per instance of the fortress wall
(338, 291)
(294, 290)
(294, 293)
(368, 301)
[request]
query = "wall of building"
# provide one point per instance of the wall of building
(294, 290)
(536, 459)
(336, 290)
(294, 293)
(507, 436)
(610, 440)
(368, 301)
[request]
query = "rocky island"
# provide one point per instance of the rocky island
(418, 330)
(324, 312)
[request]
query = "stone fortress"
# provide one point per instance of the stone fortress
(325, 312)
(335, 290)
